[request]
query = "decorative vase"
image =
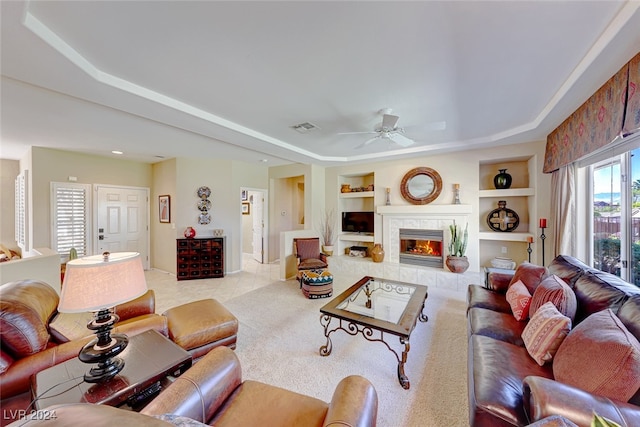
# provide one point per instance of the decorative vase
(502, 180)
(346, 188)
(503, 218)
(457, 264)
(377, 253)
(189, 233)
(327, 250)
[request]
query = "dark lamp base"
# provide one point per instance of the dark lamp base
(104, 371)
(105, 356)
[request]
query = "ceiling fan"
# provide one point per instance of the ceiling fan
(389, 130)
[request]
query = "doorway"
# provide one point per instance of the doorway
(122, 220)
(254, 224)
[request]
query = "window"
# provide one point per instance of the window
(70, 213)
(613, 210)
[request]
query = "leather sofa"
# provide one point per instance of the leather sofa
(507, 386)
(34, 336)
(213, 392)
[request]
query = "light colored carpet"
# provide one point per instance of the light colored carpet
(280, 335)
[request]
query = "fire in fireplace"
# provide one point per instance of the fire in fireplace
(421, 247)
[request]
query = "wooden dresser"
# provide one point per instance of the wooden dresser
(200, 258)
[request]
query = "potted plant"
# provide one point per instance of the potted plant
(327, 231)
(456, 260)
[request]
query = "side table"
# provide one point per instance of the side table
(489, 270)
(149, 359)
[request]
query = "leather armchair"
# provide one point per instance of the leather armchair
(34, 336)
(212, 392)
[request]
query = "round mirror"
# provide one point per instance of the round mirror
(421, 186)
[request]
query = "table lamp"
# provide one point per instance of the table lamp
(99, 283)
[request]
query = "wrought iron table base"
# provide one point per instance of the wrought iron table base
(353, 328)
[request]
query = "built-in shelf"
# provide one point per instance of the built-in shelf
(355, 237)
(511, 192)
(506, 237)
(356, 194)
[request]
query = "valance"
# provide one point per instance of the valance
(614, 110)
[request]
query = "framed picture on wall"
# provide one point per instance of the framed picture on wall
(245, 208)
(164, 206)
(245, 195)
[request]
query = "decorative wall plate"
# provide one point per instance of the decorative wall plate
(204, 219)
(503, 218)
(204, 205)
(204, 192)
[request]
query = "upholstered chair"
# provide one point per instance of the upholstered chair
(308, 254)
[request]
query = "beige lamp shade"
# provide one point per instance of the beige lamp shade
(99, 282)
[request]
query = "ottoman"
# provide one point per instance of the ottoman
(202, 325)
(317, 283)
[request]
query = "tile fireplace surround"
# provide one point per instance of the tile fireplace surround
(394, 218)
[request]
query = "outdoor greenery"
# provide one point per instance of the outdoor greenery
(608, 258)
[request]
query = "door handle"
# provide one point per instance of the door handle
(101, 237)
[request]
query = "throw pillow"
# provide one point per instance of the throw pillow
(545, 332)
(519, 299)
(530, 274)
(600, 356)
(554, 289)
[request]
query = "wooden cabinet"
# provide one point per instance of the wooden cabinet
(200, 258)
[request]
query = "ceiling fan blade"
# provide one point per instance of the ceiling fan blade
(355, 133)
(367, 142)
(401, 140)
(389, 121)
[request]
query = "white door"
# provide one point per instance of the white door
(258, 226)
(123, 220)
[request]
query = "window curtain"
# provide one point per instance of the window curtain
(612, 112)
(563, 210)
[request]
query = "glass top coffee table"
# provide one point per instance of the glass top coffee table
(376, 308)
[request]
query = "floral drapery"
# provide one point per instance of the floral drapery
(614, 110)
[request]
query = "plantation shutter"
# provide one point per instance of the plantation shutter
(22, 210)
(70, 205)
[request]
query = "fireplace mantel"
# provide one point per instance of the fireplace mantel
(417, 210)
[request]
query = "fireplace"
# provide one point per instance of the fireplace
(421, 247)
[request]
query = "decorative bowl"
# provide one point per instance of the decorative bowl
(505, 263)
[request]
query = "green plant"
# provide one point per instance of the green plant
(599, 421)
(328, 227)
(73, 254)
(458, 243)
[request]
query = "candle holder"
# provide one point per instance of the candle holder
(542, 237)
(529, 250)
(456, 194)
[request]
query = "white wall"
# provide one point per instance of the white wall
(281, 199)
(43, 265)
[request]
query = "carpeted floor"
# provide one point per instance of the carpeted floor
(280, 335)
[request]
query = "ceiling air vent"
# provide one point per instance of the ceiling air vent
(304, 127)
